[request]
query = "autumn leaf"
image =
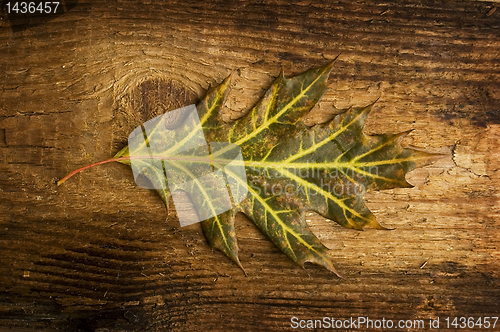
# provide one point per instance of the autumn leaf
(289, 167)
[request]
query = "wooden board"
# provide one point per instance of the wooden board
(100, 254)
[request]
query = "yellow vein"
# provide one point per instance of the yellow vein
(206, 196)
(323, 193)
(378, 147)
(390, 162)
(281, 112)
(269, 209)
(375, 176)
(316, 146)
(195, 130)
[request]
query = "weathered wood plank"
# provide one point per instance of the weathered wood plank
(98, 254)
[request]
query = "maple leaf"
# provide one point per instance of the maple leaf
(289, 167)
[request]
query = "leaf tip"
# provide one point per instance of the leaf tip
(324, 261)
(370, 105)
(281, 75)
(234, 257)
(383, 228)
(375, 225)
(339, 275)
(242, 268)
(423, 158)
(336, 272)
(229, 78)
(332, 269)
(329, 65)
(400, 136)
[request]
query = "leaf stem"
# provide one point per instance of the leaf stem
(207, 159)
(89, 166)
(127, 158)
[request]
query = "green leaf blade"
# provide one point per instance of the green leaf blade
(289, 167)
(221, 235)
(287, 229)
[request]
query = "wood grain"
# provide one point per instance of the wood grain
(100, 254)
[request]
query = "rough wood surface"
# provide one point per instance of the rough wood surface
(100, 254)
